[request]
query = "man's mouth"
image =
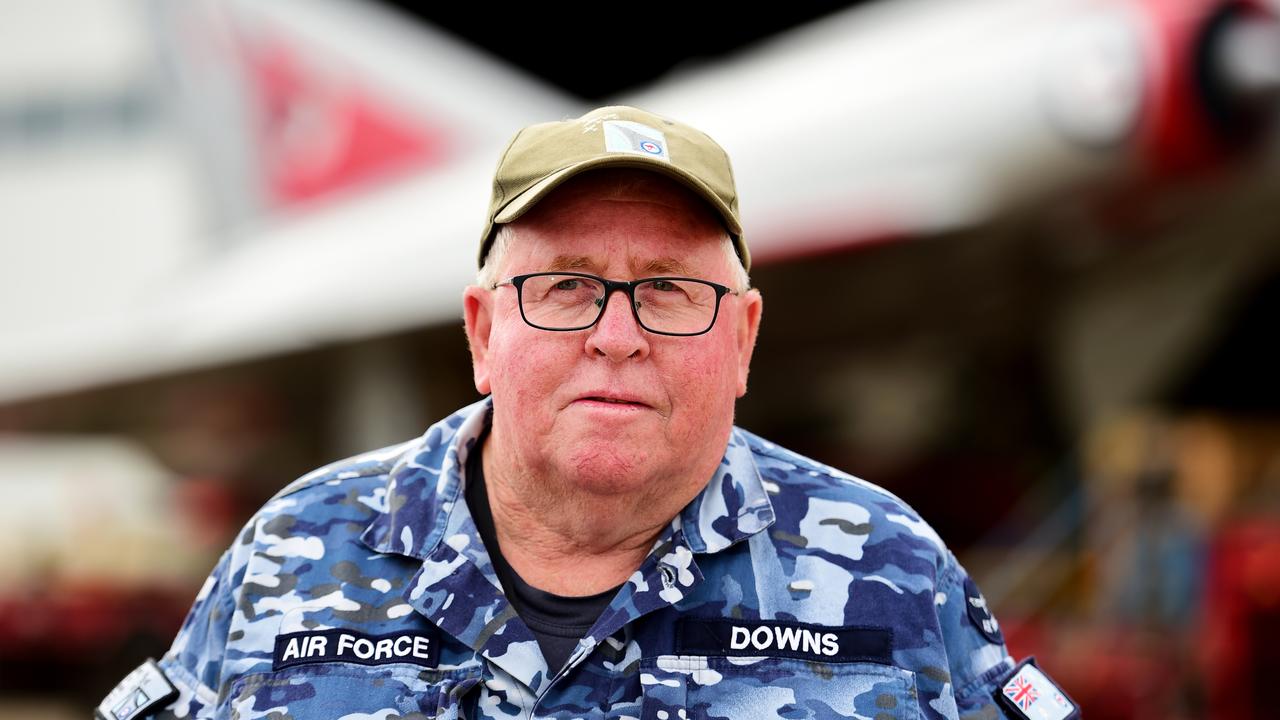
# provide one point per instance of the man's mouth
(612, 400)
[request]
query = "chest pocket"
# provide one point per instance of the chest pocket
(332, 690)
(694, 687)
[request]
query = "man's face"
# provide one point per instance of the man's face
(614, 408)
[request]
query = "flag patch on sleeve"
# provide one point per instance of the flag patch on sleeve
(1030, 694)
(141, 691)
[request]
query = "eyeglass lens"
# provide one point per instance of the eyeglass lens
(565, 302)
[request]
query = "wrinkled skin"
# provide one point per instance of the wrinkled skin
(587, 480)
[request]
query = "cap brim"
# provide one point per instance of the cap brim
(523, 202)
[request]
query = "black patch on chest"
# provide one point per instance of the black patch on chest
(337, 645)
(781, 638)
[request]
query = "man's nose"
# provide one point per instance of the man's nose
(617, 335)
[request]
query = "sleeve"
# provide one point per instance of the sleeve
(986, 681)
(976, 654)
(184, 682)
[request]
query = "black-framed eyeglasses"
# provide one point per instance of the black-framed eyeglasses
(563, 301)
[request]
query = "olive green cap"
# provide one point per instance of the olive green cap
(542, 156)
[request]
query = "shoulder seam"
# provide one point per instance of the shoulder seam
(778, 453)
(948, 571)
(171, 665)
(305, 482)
(337, 470)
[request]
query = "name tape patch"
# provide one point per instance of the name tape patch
(744, 638)
(1029, 693)
(140, 691)
(321, 646)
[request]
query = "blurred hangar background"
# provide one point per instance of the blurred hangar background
(1021, 262)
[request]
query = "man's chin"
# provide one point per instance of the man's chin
(611, 466)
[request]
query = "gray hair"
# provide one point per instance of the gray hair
(487, 277)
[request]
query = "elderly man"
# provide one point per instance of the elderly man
(594, 538)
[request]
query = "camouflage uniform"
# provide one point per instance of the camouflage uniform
(865, 613)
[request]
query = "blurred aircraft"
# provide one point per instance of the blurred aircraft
(348, 153)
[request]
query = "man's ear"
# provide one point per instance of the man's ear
(477, 308)
(751, 306)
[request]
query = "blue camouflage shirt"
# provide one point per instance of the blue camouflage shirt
(785, 589)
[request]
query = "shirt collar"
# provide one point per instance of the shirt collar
(424, 486)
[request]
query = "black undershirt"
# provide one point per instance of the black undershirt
(557, 621)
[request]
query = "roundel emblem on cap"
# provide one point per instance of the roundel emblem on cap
(980, 614)
(651, 147)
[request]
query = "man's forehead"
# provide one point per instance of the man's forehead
(657, 265)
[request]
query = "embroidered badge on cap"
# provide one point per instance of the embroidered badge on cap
(748, 638)
(980, 614)
(635, 138)
(1029, 693)
(321, 646)
(141, 690)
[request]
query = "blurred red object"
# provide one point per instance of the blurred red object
(70, 621)
(324, 132)
(1241, 627)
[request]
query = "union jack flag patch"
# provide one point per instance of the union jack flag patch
(142, 690)
(1021, 692)
(1030, 694)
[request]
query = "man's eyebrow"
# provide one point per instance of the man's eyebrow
(570, 262)
(662, 266)
(656, 266)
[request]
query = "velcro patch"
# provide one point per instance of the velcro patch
(636, 138)
(139, 692)
(323, 646)
(780, 638)
(1029, 693)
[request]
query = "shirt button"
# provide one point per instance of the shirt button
(668, 576)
